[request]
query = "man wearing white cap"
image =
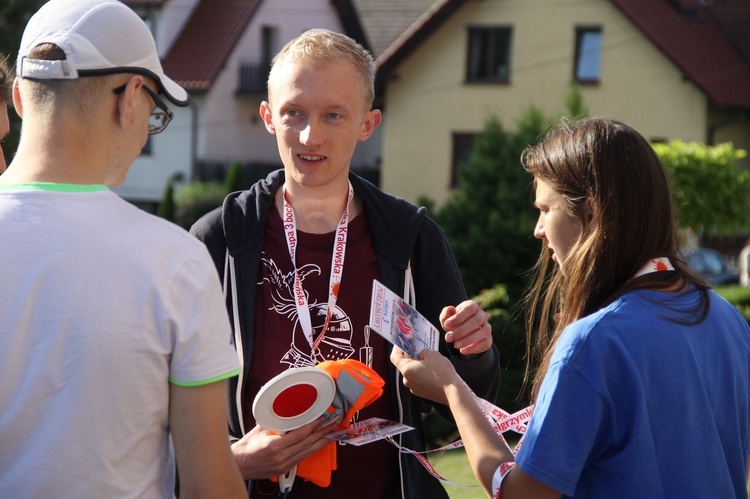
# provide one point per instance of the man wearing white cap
(114, 339)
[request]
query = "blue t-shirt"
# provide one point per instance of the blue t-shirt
(636, 405)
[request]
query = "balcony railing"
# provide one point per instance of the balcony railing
(252, 78)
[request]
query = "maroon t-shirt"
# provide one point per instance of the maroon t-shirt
(368, 471)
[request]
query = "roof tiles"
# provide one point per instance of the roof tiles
(206, 41)
(706, 49)
(386, 20)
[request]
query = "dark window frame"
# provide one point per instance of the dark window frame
(269, 40)
(581, 31)
(253, 76)
(490, 59)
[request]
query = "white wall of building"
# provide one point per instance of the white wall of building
(171, 153)
(220, 125)
(233, 128)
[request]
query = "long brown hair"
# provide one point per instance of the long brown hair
(611, 169)
(6, 81)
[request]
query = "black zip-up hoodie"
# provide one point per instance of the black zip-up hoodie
(400, 232)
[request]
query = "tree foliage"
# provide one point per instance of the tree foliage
(167, 208)
(490, 220)
(186, 204)
(195, 199)
(233, 180)
(490, 223)
(712, 195)
(14, 15)
(574, 103)
(509, 336)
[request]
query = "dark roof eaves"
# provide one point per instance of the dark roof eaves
(718, 98)
(351, 22)
(195, 86)
(422, 28)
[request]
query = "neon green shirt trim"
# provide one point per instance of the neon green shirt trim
(205, 381)
(53, 186)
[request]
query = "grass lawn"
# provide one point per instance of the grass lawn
(739, 296)
(454, 467)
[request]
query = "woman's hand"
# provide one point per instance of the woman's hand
(428, 376)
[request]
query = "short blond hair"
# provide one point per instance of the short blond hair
(322, 46)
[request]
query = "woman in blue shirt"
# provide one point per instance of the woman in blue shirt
(641, 372)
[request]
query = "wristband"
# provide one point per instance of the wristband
(497, 479)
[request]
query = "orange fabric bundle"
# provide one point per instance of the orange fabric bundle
(357, 386)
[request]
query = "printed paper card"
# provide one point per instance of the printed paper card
(369, 430)
(400, 323)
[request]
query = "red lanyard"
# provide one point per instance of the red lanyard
(337, 268)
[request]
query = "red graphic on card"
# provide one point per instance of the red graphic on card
(403, 325)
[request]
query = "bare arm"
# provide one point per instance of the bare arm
(433, 376)
(486, 451)
(198, 422)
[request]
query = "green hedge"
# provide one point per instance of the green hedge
(739, 296)
(195, 199)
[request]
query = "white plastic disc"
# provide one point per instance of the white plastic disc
(294, 398)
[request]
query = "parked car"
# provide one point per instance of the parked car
(713, 265)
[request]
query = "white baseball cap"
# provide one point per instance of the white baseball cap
(99, 37)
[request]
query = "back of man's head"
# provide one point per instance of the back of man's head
(69, 39)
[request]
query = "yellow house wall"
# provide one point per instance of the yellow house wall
(427, 100)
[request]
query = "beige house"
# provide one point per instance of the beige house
(673, 69)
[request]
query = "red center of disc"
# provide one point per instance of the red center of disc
(295, 400)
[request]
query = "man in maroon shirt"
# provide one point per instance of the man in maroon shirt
(305, 244)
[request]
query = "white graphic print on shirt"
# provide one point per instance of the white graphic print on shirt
(337, 342)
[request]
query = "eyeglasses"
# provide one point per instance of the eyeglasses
(160, 116)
